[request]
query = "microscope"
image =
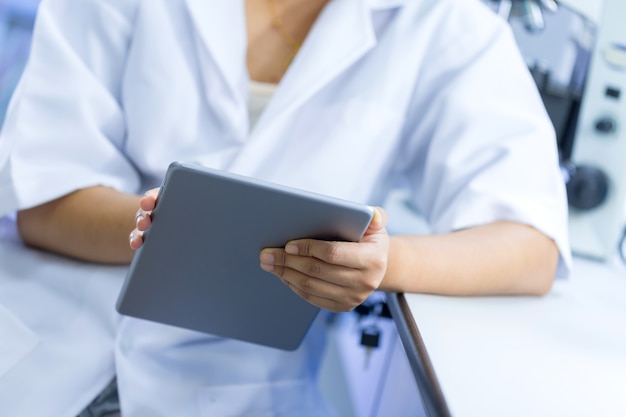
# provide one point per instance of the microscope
(579, 66)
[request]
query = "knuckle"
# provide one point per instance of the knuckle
(370, 286)
(379, 263)
(313, 269)
(333, 252)
(362, 284)
(306, 296)
(305, 247)
(306, 285)
(280, 272)
(351, 299)
(280, 258)
(356, 300)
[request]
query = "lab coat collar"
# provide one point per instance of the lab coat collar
(342, 34)
(328, 50)
(221, 30)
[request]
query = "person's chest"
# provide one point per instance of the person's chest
(334, 121)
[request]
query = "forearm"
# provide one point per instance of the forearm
(90, 224)
(499, 258)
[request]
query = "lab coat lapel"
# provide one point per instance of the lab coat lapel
(342, 34)
(221, 44)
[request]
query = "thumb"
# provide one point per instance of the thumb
(378, 223)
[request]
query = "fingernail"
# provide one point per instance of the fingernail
(133, 236)
(267, 258)
(291, 249)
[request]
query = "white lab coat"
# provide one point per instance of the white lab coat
(429, 95)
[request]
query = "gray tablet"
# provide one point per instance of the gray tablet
(199, 265)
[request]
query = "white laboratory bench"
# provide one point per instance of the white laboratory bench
(559, 355)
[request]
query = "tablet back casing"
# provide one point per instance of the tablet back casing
(199, 265)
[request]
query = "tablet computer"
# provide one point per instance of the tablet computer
(199, 266)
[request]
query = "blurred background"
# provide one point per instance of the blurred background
(16, 23)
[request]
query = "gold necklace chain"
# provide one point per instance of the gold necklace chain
(277, 23)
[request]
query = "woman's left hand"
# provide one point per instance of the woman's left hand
(143, 217)
(336, 276)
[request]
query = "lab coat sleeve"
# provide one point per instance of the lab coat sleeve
(65, 125)
(482, 146)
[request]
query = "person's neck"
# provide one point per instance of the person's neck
(276, 29)
(297, 16)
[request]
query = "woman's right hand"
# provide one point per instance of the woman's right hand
(143, 217)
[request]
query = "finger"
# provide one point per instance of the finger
(331, 281)
(347, 254)
(149, 200)
(135, 239)
(379, 221)
(333, 287)
(143, 220)
(307, 286)
(322, 302)
(279, 262)
(320, 292)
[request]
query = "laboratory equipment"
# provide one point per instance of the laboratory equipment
(530, 11)
(579, 66)
(597, 183)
